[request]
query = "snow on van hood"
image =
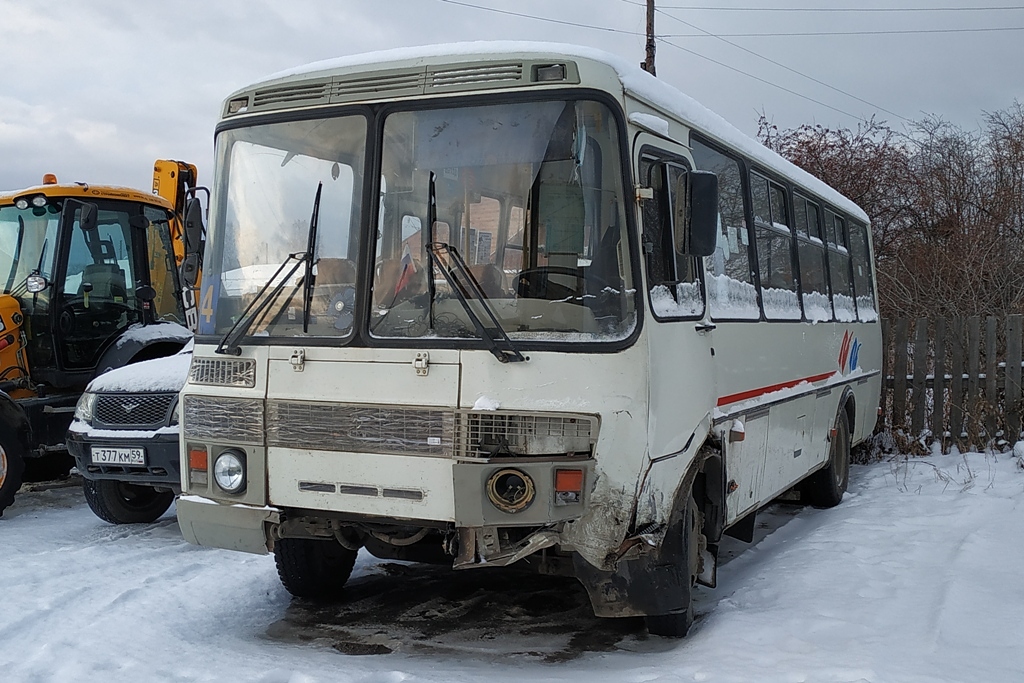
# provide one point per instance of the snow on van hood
(166, 374)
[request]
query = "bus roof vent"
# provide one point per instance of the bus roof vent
(384, 83)
(501, 74)
(292, 95)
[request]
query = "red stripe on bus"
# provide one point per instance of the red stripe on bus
(754, 393)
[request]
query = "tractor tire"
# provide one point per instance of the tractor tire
(313, 569)
(12, 467)
(118, 502)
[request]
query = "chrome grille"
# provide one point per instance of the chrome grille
(494, 434)
(228, 372)
(132, 410)
(214, 418)
(509, 73)
(309, 92)
(360, 428)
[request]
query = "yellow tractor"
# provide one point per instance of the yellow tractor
(94, 277)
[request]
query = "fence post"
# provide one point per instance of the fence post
(918, 383)
(973, 379)
(991, 370)
(899, 374)
(956, 384)
(1012, 391)
(939, 385)
(884, 417)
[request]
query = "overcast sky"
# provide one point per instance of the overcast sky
(96, 90)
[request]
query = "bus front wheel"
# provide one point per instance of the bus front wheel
(312, 568)
(677, 624)
(825, 488)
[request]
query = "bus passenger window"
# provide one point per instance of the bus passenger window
(813, 275)
(839, 269)
(774, 242)
(866, 310)
(728, 276)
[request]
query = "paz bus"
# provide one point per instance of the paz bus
(484, 304)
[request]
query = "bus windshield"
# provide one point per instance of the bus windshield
(518, 206)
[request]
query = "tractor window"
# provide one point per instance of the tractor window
(163, 275)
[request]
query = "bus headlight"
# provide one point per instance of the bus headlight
(229, 471)
(511, 490)
(86, 407)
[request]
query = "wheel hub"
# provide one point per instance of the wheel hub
(3, 465)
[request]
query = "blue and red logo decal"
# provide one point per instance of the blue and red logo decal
(848, 352)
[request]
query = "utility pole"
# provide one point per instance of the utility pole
(648, 64)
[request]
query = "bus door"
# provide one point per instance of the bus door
(682, 369)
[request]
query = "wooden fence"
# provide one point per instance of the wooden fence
(955, 380)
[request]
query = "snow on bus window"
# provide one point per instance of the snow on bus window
(817, 307)
(686, 303)
(780, 304)
(731, 298)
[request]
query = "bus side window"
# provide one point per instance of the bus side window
(839, 269)
(813, 275)
(774, 242)
(729, 279)
(675, 287)
(862, 273)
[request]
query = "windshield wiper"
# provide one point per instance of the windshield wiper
(229, 342)
(307, 281)
(454, 264)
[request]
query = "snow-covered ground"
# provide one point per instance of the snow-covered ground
(918, 576)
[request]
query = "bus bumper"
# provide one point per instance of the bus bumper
(233, 527)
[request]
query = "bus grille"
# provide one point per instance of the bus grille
(227, 372)
(436, 432)
(216, 418)
(360, 428)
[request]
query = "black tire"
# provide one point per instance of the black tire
(118, 502)
(677, 624)
(12, 467)
(825, 488)
(313, 569)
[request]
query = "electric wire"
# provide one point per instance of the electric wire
(783, 66)
(840, 9)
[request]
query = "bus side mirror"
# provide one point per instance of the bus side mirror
(703, 232)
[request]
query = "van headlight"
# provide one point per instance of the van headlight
(229, 471)
(86, 407)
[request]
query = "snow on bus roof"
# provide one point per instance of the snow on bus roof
(635, 81)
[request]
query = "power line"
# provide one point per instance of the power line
(765, 81)
(552, 21)
(804, 34)
(841, 9)
(781, 65)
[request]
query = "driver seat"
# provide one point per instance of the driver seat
(107, 280)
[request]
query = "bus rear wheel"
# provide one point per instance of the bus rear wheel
(677, 624)
(825, 488)
(312, 568)
(12, 466)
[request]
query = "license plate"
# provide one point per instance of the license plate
(118, 456)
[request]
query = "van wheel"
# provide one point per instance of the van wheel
(12, 466)
(676, 624)
(825, 488)
(118, 502)
(312, 568)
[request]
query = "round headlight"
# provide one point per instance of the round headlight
(229, 471)
(86, 407)
(510, 490)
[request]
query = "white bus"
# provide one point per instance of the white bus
(487, 304)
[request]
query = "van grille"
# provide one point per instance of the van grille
(132, 410)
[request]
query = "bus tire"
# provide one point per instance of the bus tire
(677, 624)
(12, 466)
(313, 569)
(825, 488)
(118, 502)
